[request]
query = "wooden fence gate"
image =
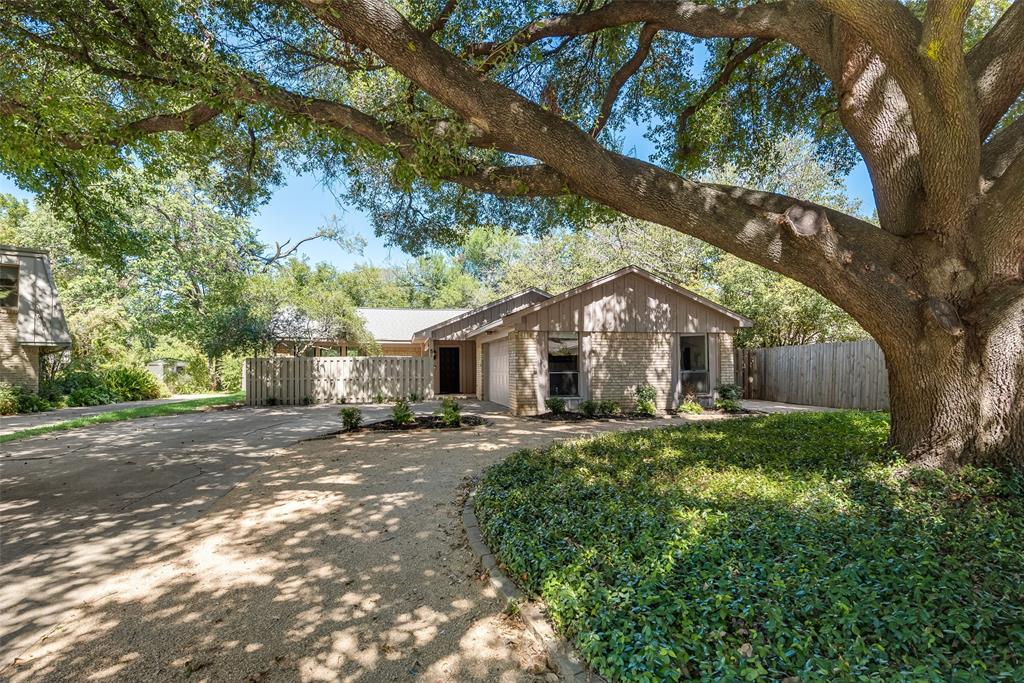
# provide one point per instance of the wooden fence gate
(834, 375)
(303, 381)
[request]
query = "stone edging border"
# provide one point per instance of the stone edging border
(561, 655)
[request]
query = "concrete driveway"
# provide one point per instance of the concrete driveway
(77, 507)
(15, 423)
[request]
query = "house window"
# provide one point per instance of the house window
(693, 357)
(563, 364)
(8, 286)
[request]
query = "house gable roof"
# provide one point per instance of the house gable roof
(40, 316)
(742, 321)
(477, 317)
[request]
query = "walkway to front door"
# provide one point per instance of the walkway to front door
(448, 370)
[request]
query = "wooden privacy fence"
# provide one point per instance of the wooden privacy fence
(300, 381)
(835, 375)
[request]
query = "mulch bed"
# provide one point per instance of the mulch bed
(423, 422)
(573, 416)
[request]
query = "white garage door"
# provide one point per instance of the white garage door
(497, 372)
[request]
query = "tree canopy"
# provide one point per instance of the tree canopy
(437, 116)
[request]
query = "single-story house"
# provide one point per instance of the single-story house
(598, 341)
(31, 318)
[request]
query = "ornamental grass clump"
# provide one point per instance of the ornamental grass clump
(783, 547)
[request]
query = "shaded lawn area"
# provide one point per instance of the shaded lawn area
(128, 414)
(791, 546)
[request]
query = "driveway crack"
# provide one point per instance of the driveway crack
(199, 472)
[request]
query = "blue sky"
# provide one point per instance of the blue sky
(302, 204)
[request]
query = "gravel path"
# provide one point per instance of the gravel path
(338, 560)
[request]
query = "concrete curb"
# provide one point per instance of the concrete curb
(562, 657)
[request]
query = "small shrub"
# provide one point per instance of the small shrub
(17, 399)
(555, 404)
(351, 418)
(8, 399)
(90, 396)
(130, 383)
(729, 392)
(451, 413)
(691, 408)
(230, 373)
(401, 413)
(609, 407)
(29, 402)
(729, 405)
(590, 408)
(644, 399)
(380, 398)
(415, 397)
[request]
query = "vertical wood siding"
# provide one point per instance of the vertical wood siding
(835, 375)
(300, 381)
(629, 304)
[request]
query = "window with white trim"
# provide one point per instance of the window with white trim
(563, 364)
(8, 286)
(693, 364)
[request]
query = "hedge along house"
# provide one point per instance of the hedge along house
(598, 341)
(31, 318)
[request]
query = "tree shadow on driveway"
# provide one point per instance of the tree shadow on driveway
(339, 560)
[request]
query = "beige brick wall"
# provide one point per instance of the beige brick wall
(527, 383)
(18, 364)
(726, 359)
(621, 361)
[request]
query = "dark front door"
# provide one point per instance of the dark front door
(448, 369)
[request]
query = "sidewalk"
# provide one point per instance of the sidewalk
(15, 423)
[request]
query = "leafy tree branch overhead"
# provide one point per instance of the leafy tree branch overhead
(435, 115)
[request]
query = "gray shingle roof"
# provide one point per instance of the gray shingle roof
(400, 324)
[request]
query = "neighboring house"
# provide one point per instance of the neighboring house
(598, 341)
(162, 367)
(31, 319)
(391, 328)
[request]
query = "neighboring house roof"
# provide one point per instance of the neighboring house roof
(477, 317)
(743, 321)
(40, 316)
(401, 324)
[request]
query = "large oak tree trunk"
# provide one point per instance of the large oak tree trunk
(959, 399)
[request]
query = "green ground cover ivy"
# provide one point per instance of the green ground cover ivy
(790, 546)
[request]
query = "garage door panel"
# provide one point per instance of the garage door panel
(497, 372)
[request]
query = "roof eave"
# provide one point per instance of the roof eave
(424, 334)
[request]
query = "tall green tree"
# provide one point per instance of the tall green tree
(508, 113)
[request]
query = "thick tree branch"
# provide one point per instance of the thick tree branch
(179, 122)
(996, 65)
(934, 83)
(624, 73)
(891, 30)
(814, 252)
(1001, 150)
(799, 22)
